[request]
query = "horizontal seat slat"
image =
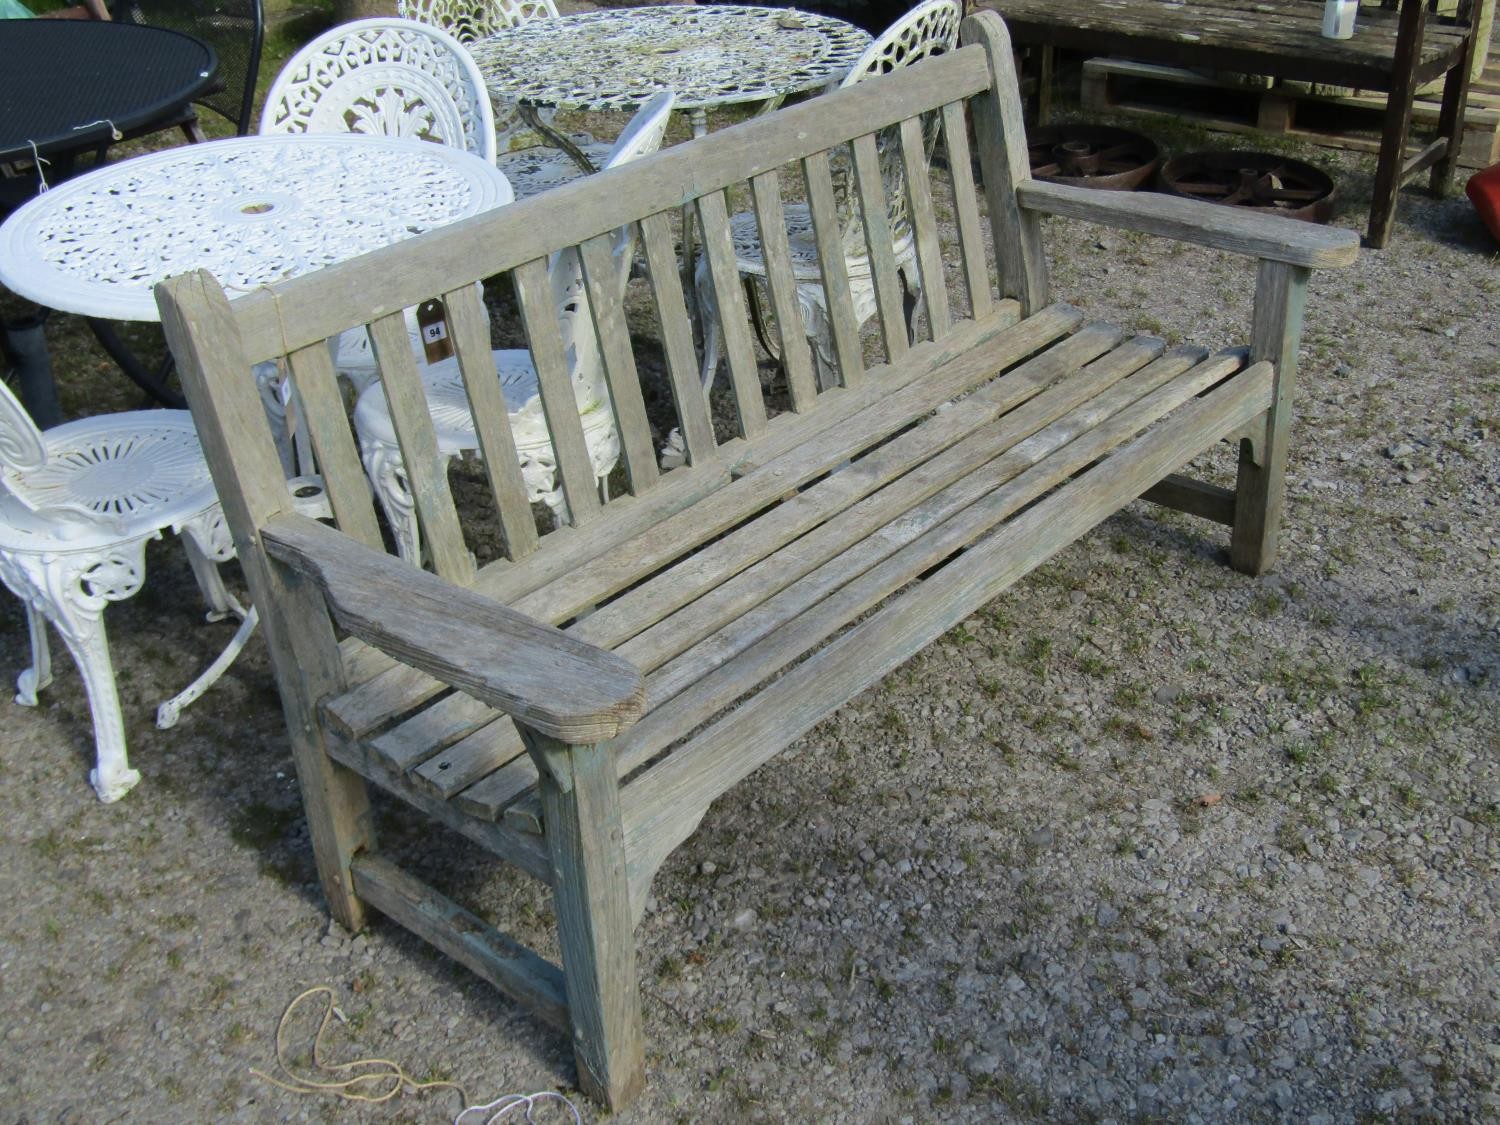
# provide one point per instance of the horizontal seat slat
(587, 585)
(496, 793)
(887, 515)
(721, 560)
(629, 517)
(376, 702)
(849, 586)
(466, 761)
(526, 852)
(395, 690)
(408, 744)
(663, 805)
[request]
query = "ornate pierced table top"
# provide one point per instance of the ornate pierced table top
(615, 59)
(249, 209)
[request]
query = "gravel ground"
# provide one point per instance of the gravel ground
(1144, 839)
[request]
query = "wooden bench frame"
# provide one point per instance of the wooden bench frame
(577, 704)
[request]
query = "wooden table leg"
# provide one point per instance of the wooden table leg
(1451, 116)
(1045, 71)
(1397, 122)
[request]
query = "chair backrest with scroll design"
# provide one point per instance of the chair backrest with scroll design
(391, 77)
(468, 20)
(929, 29)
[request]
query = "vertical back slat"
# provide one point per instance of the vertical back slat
(539, 314)
(827, 232)
(924, 224)
(469, 330)
(662, 271)
(781, 282)
(879, 245)
(966, 210)
(426, 468)
(606, 282)
(327, 424)
(739, 349)
(1003, 161)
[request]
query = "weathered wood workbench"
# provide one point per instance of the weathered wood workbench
(1391, 51)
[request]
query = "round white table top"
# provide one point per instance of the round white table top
(250, 210)
(615, 59)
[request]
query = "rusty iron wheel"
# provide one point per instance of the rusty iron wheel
(1096, 156)
(1260, 180)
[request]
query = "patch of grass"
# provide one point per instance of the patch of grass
(721, 1025)
(259, 825)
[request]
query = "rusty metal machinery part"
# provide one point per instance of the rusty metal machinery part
(1262, 180)
(1096, 156)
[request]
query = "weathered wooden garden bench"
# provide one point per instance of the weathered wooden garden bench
(577, 703)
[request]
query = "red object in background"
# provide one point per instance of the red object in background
(1484, 191)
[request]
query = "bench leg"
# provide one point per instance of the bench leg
(581, 814)
(1280, 293)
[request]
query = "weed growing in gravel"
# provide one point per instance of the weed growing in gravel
(257, 826)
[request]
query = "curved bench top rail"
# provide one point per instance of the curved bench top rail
(283, 317)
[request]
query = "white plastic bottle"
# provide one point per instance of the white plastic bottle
(1338, 18)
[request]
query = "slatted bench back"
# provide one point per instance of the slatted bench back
(794, 151)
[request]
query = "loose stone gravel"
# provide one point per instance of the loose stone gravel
(1144, 839)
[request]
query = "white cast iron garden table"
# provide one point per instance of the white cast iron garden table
(248, 209)
(708, 54)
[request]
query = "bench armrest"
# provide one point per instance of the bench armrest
(1271, 237)
(546, 680)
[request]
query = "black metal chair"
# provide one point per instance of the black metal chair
(235, 29)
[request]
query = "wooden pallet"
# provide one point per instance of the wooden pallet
(1246, 106)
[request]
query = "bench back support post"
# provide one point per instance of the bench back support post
(237, 442)
(1280, 294)
(1001, 135)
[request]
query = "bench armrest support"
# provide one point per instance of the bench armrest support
(1270, 237)
(559, 685)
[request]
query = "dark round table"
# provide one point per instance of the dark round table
(63, 83)
(68, 87)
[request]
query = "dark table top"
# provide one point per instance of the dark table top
(1276, 37)
(62, 80)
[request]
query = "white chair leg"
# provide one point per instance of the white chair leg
(820, 333)
(708, 314)
(911, 294)
(207, 543)
(71, 591)
(268, 383)
(558, 505)
(111, 776)
(387, 473)
(39, 675)
(169, 712)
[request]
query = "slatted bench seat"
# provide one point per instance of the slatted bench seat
(577, 704)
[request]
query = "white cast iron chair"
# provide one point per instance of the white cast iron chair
(449, 405)
(77, 506)
(525, 157)
(928, 29)
(387, 77)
